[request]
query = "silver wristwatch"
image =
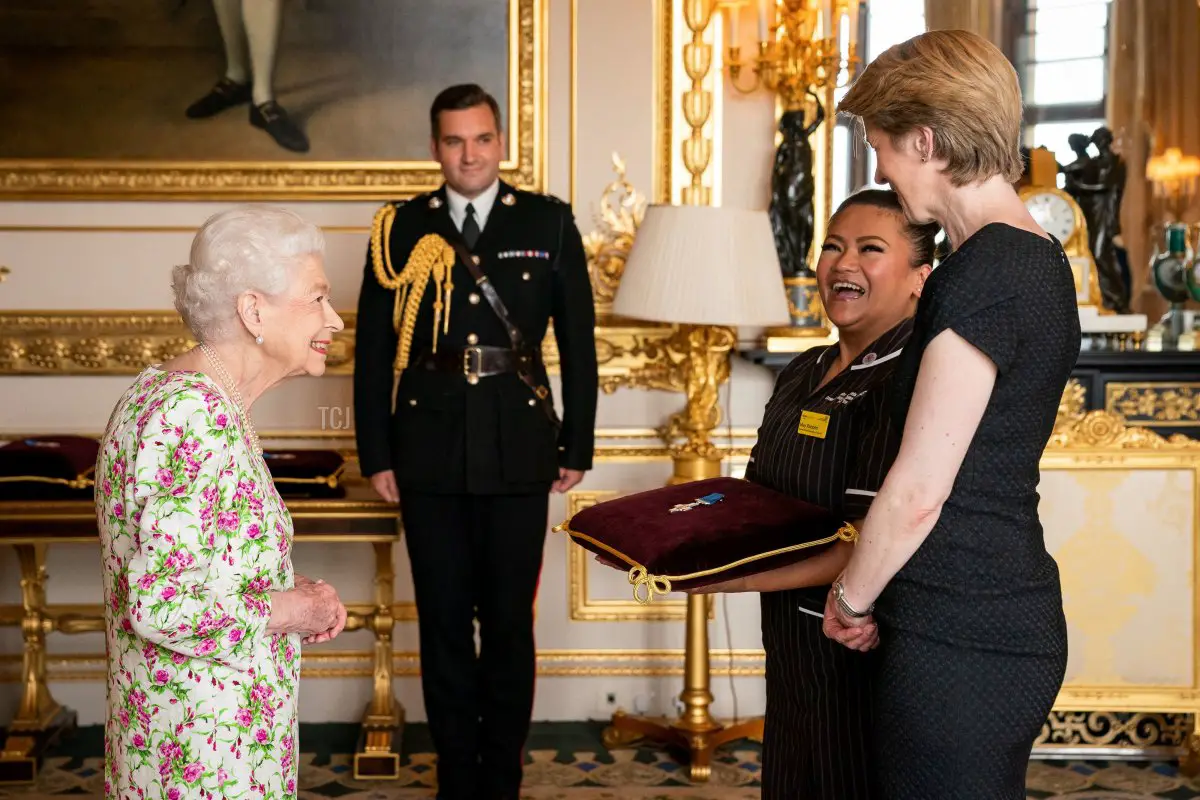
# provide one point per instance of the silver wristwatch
(839, 594)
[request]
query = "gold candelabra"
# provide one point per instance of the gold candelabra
(801, 47)
(805, 50)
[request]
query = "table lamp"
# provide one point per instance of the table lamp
(705, 269)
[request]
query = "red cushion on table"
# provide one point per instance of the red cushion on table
(730, 538)
(36, 467)
(306, 472)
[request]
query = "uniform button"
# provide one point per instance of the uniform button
(474, 298)
(412, 402)
(472, 379)
(532, 402)
(475, 259)
(472, 339)
(524, 276)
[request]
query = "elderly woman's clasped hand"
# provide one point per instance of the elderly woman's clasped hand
(315, 611)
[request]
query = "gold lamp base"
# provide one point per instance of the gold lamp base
(700, 366)
(695, 732)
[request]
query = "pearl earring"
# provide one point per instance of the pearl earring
(258, 339)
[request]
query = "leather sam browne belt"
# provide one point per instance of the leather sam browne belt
(477, 362)
(542, 393)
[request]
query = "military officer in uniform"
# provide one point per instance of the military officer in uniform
(459, 288)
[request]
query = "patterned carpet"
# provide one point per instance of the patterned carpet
(568, 762)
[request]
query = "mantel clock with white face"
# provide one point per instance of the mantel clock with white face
(1060, 216)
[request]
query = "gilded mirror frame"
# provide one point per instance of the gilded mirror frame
(524, 165)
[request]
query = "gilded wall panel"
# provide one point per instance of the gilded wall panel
(1123, 538)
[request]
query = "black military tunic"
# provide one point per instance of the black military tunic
(445, 435)
(474, 456)
(830, 445)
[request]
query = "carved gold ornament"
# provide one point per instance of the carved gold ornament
(1096, 729)
(1100, 429)
(621, 211)
(1159, 403)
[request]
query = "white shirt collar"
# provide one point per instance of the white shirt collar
(483, 205)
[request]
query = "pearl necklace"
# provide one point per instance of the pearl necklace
(224, 377)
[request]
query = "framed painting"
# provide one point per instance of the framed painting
(255, 99)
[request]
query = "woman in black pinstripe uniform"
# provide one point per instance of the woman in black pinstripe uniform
(872, 267)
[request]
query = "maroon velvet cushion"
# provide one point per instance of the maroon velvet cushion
(306, 473)
(48, 468)
(750, 529)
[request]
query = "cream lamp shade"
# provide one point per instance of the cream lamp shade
(703, 265)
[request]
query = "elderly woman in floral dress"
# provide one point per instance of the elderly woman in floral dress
(204, 616)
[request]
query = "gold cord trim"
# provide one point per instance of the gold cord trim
(81, 481)
(331, 480)
(75, 483)
(646, 585)
(432, 255)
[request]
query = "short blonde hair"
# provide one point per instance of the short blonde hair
(959, 85)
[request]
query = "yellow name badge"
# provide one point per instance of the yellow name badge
(813, 424)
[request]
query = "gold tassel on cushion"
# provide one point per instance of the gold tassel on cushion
(432, 255)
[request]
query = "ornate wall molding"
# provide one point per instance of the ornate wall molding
(357, 664)
(1076, 428)
(1100, 430)
(49, 342)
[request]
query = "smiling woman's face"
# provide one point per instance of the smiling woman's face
(865, 273)
(298, 326)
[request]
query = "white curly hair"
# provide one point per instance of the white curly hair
(245, 248)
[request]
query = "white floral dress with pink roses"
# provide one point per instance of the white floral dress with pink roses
(201, 700)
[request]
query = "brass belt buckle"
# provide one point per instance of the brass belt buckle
(469, 370)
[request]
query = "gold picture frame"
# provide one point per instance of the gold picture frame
(524, 111)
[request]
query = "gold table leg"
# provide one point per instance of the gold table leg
(695, 732)
(1189, 765)
(40, 720)
(378, 753)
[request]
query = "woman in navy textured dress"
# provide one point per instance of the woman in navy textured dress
(973, 641)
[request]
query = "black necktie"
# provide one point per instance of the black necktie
(470, 227)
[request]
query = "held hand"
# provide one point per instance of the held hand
(384, 484)
(861, 633)
(567, 480)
